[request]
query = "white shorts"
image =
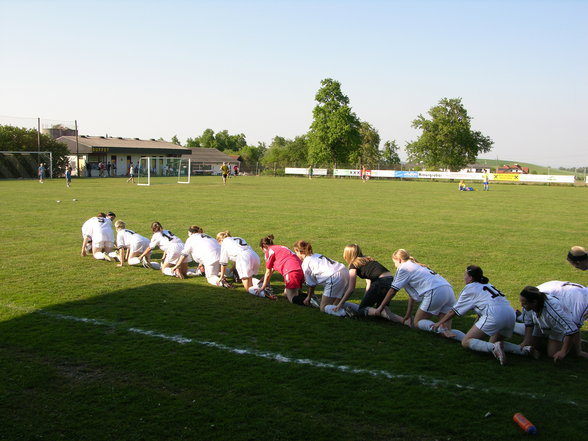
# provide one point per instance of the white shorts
(247, 264)
(102, 245)
(138, 247)
(173, 254)
(212, 270)
(438, 300)
(500, 320)
(337, 284)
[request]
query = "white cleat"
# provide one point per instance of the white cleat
(499, 352)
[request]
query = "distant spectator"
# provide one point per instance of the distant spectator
(89, 169)
(41, 172)
(108, 166)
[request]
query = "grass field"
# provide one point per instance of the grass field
(89, 351)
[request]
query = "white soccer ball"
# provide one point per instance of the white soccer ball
(58, 201)
(74, 200)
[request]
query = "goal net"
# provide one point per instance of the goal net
(25, 165)
(158, 170)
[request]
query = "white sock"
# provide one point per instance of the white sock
(192, 272)
(156, 265)
(168, 272)
(134, 261)
(99, 255)
(113, 254)
(519, 328)
(513, 349)
(480, 345)
(213, 280)
(329, 310)
(256, 282)
(253, 291)
(458, 334)
(425, 325)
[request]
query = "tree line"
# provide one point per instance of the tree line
(338, 138)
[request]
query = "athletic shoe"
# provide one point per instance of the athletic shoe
(531, 352)
(499, 352)
(315, 302)
(349, 313)
(146, 263)
(224, 284)
(269, 295)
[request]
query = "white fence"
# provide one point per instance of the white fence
(496, 177)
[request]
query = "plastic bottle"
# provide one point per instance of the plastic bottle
(524, 423)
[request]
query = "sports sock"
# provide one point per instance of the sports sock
(99, 255)
(425, 325)
(329, 310)
(513, 349)
(213, 280)
(134, 261)
(480, 345)
(458, 334)
(168, 272)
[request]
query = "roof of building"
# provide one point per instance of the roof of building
(103, 144)
(205, 155)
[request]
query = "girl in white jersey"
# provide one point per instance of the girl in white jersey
(496, 317)
(423, 285)
(320, 270)
(130, 244)
(551, 321)
(98, 236)
(246, 260)
(205, 251)
(172, 247)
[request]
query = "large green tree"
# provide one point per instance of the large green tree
(368, 152)
(334, 132)
(389, 155)
(19, 139)
(221, 141)
(447, 140)
(284, 152)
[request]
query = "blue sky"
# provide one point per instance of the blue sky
(156, 69)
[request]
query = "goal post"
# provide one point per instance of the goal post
(144, 171)
(184, 171)
(24, 165)
(165, 169)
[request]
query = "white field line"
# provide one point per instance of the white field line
(380, 373)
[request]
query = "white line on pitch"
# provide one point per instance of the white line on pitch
(421, 379)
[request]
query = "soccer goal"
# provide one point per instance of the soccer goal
(25, 165)
(151, 167)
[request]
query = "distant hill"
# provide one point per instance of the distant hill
(533, 168)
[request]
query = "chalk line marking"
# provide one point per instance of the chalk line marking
(421, 379)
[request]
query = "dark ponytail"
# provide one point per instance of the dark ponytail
(477, 274)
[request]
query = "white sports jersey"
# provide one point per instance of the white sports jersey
(203, 248)
(481, 297)
(573, 297)
(232, 247)
(553, 318)
(130, 239)
(99, 229)
(417, 280)
(163, 238)
(318, 269)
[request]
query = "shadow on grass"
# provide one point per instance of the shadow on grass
(81, 370)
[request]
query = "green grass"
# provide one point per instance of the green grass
(73, 380)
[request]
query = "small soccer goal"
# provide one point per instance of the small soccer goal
(157, 170)
(25, 165)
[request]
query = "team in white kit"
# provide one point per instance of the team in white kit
(552, 313)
